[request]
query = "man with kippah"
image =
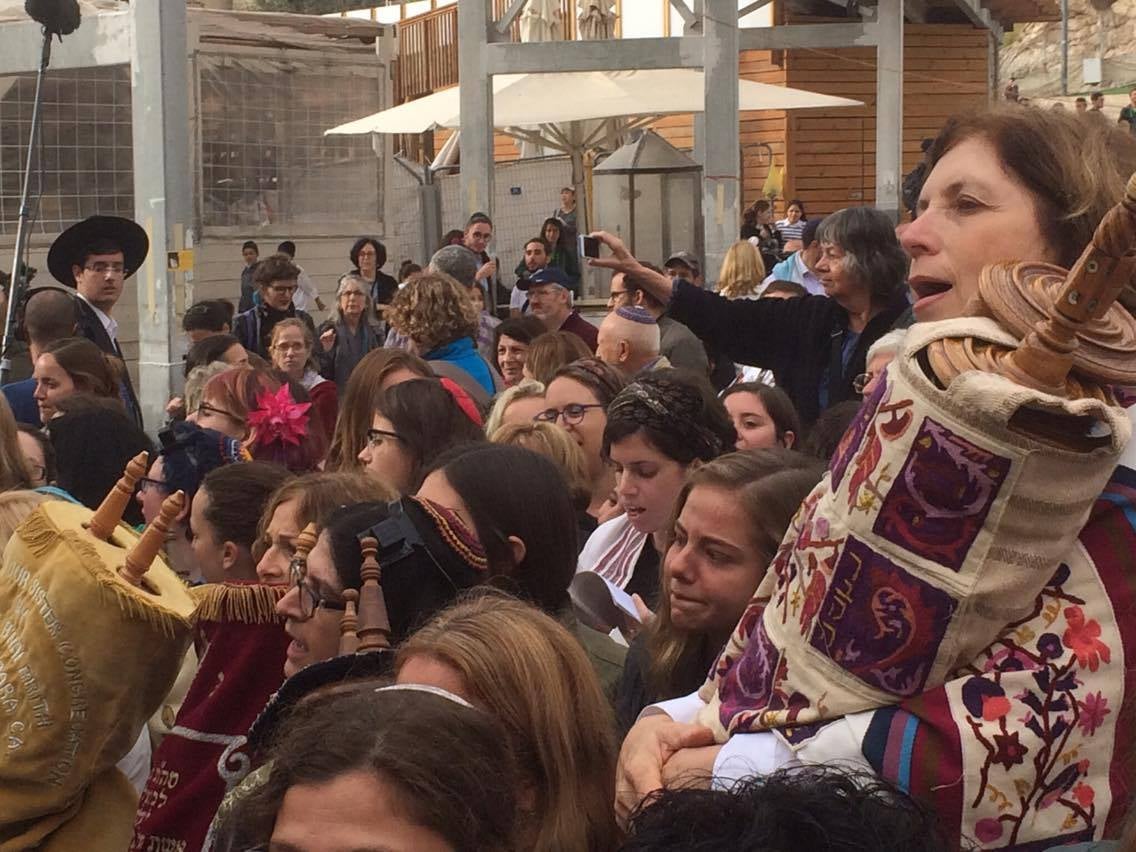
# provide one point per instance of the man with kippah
(629, 341)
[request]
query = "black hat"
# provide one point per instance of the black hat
(66, 250)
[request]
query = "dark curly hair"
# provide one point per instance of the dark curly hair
(677, 411)
(818, 808)
(275, 267)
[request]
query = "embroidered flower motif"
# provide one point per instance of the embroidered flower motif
(985, 699)
(1093, 710)
(1084, 795)
(1049, 646)
(1083, 639)
(988, 830)
(1010, 750)
(278, 417)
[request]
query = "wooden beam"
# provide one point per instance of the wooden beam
(684, 11)
(629, 55)
(821, 36)
(510, 16)
(980, 16)
(752, 7)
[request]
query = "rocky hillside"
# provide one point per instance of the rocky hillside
(1032, 52)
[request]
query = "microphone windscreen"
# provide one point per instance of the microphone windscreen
(59, 17)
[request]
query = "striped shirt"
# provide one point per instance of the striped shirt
(791, 231)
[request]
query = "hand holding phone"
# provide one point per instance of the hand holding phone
(587, 246)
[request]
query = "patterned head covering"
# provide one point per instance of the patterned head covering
(665, 404)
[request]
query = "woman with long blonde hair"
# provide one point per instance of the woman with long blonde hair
(742, 272)
(14, 472)
(522, 667)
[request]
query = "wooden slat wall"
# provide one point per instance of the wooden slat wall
(831, 154)
(767, 126)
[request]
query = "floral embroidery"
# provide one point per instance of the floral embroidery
(1036, 730)
(1083, 638)
(1093, 710)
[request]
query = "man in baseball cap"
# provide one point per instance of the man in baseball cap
(550, 301)
(684, 265)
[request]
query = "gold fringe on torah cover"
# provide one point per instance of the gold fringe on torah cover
(86, 656)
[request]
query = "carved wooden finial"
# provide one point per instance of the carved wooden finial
(1074, 341)
(374, 623)
(348, 624)
(109, 514)
(1046, 355)
(141, 556)
(306, 540)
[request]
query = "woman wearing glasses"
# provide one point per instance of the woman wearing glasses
(271, 419)
(415, 422)
(576, 400)
(188, 453)
(293, 345)
(276, 279)
(350, 333)
(658, 428)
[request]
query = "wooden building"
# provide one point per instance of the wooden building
(949, 66)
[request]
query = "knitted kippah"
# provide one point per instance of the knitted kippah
(635, 313)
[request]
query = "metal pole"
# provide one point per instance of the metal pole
(16, 288)
(162, 195)
(721, 187)
(889, 106)
(1064, 47)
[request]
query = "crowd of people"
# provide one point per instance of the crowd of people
(457, 581)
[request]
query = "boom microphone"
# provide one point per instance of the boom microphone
(59, 17)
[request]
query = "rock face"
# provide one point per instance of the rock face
(1032, 52)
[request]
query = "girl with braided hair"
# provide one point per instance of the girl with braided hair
(658, 428)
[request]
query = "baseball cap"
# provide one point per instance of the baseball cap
(545, 275)
(686, 259)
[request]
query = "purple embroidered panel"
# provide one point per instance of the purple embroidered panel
(848, 445)
(749, 684)
(880, 623)
(940, 500)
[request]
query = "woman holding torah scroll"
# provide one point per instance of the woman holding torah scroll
(953, 605)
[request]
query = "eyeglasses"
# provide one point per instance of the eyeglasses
(861, 382)
(290, 347)
(375, 437)
(103, 268)
(285, 289)
(206, 408)
(310, 599)
(572, 413)
(145, 483)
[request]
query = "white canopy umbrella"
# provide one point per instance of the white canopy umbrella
(548, 99)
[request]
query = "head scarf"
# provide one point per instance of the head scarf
(667, 406)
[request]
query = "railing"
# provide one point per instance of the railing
(427, 54)
(428, 47)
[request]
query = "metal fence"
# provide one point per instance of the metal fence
(85, 155)
(264, 158)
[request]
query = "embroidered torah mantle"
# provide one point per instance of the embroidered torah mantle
(936, 527)
(85, 659)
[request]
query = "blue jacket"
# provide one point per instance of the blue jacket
(22, 402)
(462, 353)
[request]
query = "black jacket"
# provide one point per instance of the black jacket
(796, 338)
(91, 327)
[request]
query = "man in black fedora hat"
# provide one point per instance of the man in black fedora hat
(96, 256)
